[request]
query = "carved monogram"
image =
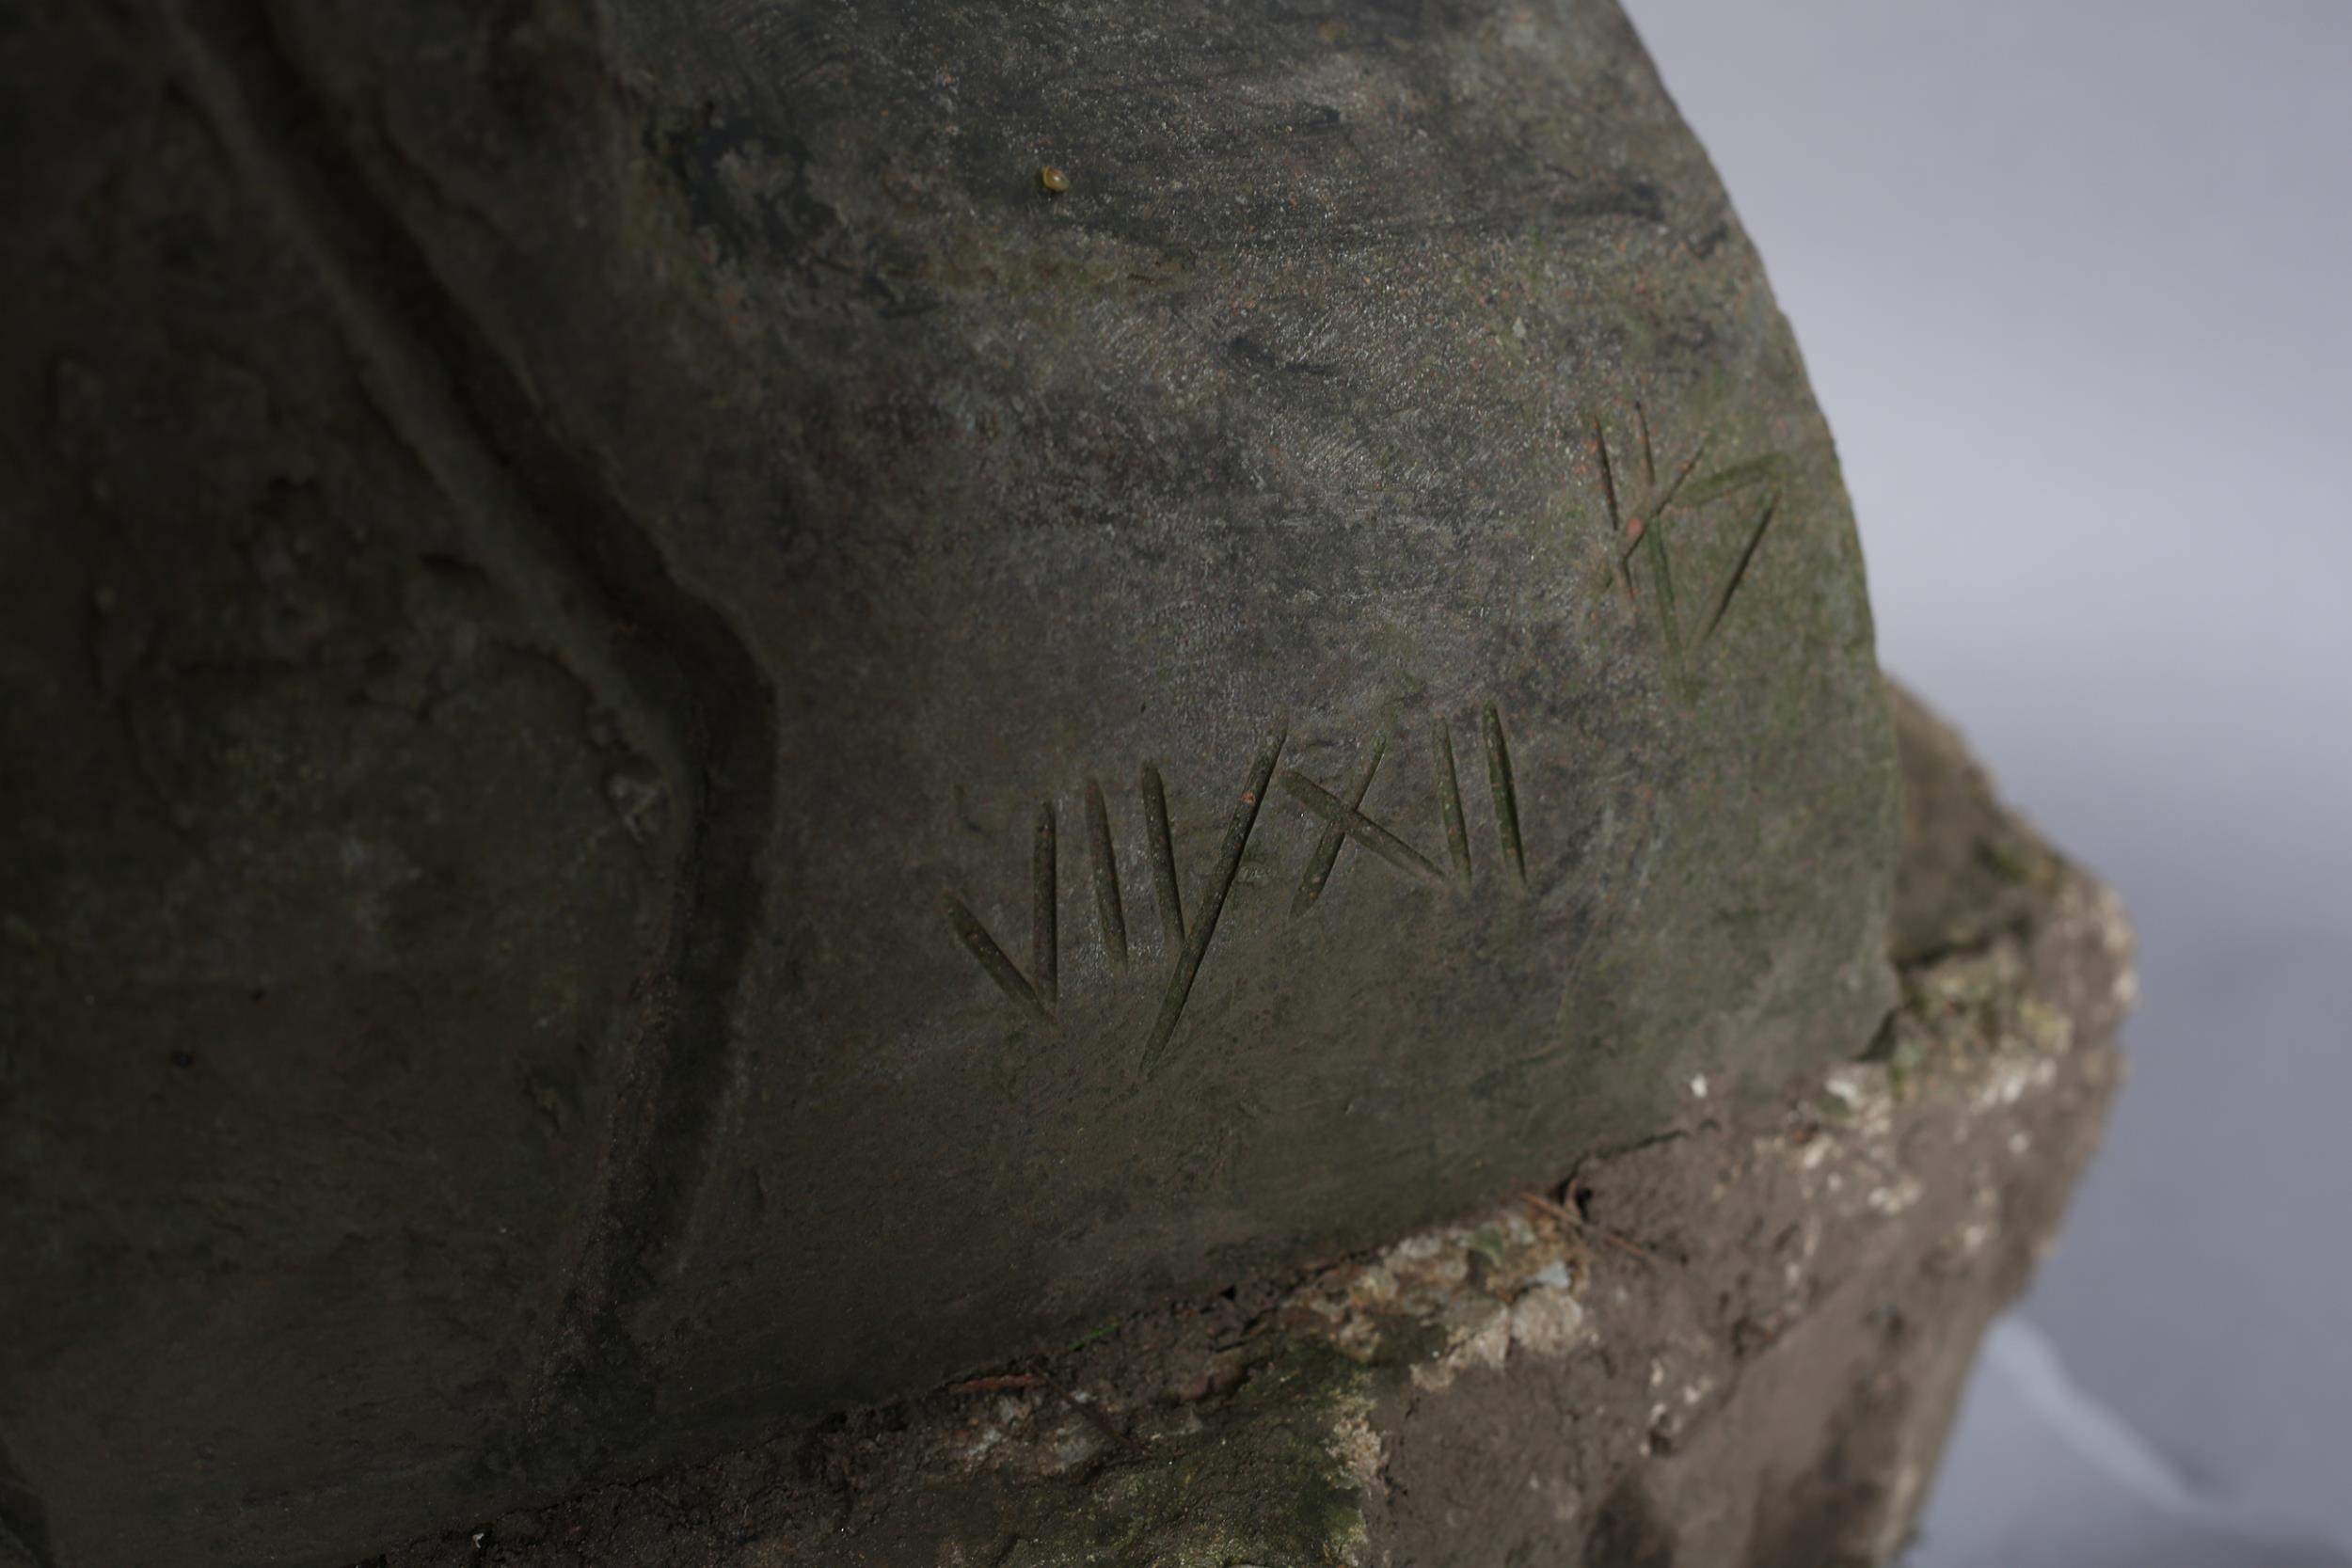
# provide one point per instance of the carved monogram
(1637, 508)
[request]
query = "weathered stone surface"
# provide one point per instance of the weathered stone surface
(1738, 1345)
(597, 606)
(1968, 867)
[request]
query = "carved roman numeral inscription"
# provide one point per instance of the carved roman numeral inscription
(1187, 943)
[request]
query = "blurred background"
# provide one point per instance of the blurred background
(2072, 277)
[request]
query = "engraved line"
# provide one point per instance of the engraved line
(1044, 910)
(1106, 903)
(1616, 520)
(1740, 476)
(1220, 882)
(1683, 474)
(1335, 834)
(1649, 453)
(1506, 796)
(1658, 509)
(1450, 797)
(1655, 536)
(1608, 477)
(1739, 572)
(1371, 834)
(983, 947)
(1163, 862)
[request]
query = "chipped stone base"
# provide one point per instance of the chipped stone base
(1738, 1344)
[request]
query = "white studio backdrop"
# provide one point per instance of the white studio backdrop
(2073, 278)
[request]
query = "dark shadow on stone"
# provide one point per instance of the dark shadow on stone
(24, 1523)
(682, 657)
(1832, 1511)
(1629, 1534)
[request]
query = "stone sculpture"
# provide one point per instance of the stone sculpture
(717, 709)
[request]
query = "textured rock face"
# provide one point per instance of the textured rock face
(680, 752)
(1739, 1345)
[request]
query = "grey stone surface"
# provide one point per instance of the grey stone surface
(1739, 1345)
(679, 753)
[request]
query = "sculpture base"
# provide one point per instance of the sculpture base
(1741, 1342)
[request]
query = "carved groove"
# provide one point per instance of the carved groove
(1683, 474)
(1326, 852)
(1163, 862)
(1106, 903)
(1662, 564)
(1039, 990)
(1618, 554)
(1608, 476)
(1740, 476)
(1640, 533)
(1342, 817)
(1739, 572)
(1450, 798)
(1044, 912)
(1507, 795)
(1220, 882)
(1353, 823)
(991, 958)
